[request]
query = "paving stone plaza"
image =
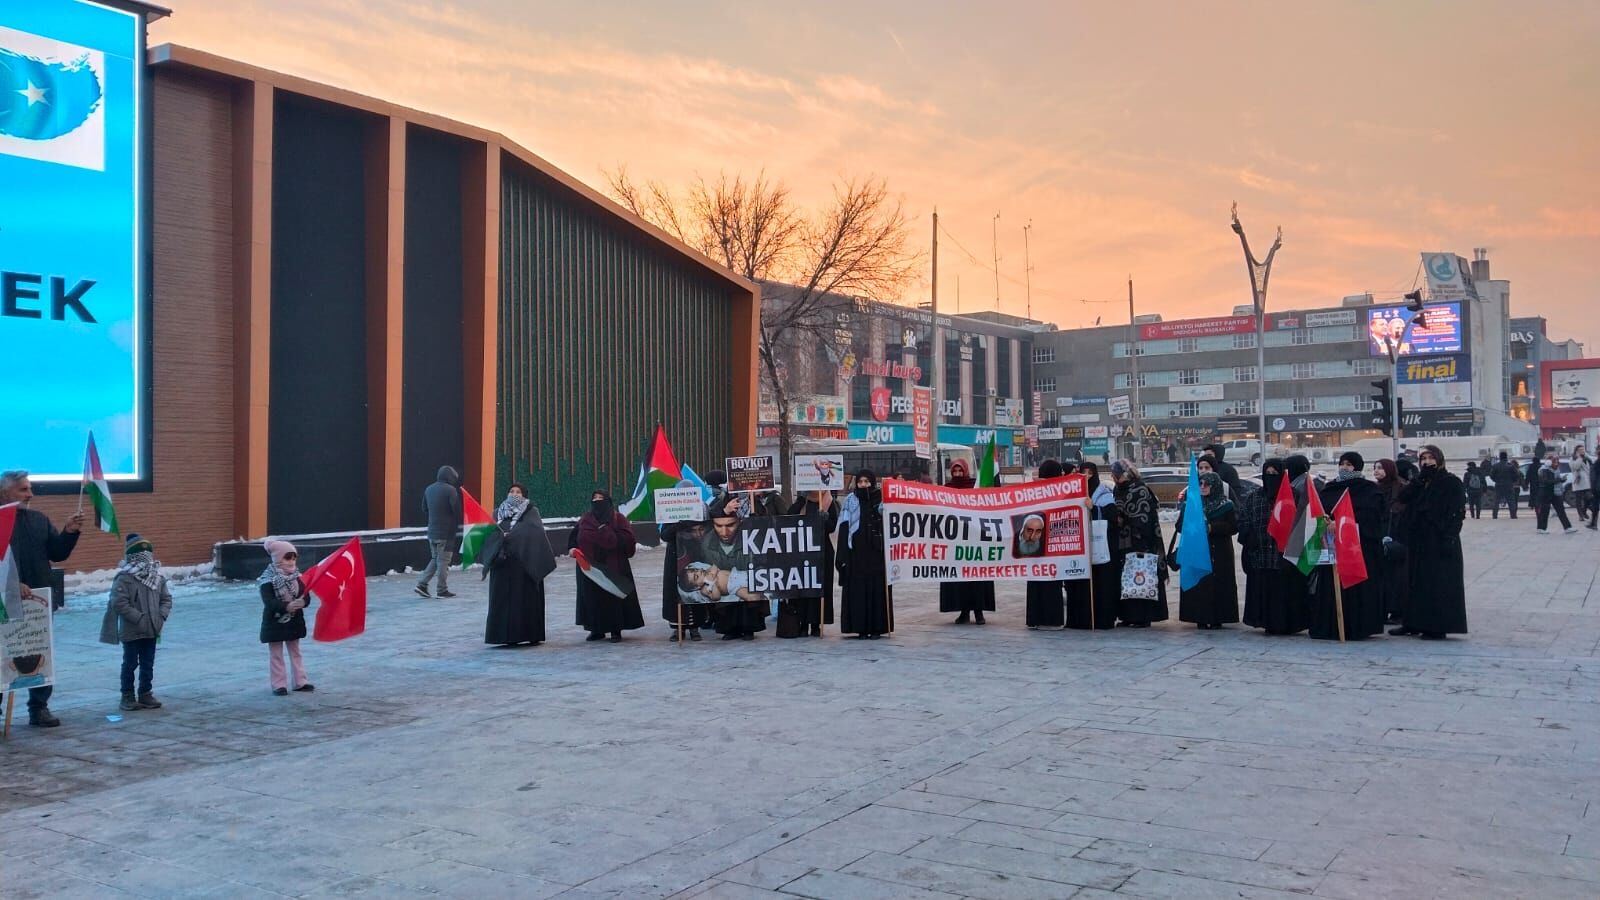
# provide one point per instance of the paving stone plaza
(946, 761)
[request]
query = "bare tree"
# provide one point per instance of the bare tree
(807, 266)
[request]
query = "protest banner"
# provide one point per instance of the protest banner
(749, 473)
(27, 645)
(675, 505)
(1025, 532)
(818, 472)
(750, 560)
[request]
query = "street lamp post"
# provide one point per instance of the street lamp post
(1259, 272)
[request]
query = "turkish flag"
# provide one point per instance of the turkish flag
(1347, 556)
(1281, 522)
(340, 581)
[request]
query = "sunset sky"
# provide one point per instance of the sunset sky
(1122, 131)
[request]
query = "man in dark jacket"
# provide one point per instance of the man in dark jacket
(35, 544)
(1230, 475)
(442, 501)
(1594, 491)
(1506, 479)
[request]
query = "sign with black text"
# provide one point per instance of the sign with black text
(1026, 532)
(749, 473)
(750, 560)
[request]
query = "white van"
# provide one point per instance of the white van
(1246, 451)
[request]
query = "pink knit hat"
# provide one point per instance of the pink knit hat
(279, 549)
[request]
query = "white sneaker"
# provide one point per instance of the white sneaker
(1570, 530)
(1540, 531)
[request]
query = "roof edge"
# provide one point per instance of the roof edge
(180, 56)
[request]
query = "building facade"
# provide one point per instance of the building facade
(347, 294)
(1197, 379)
(853, 379)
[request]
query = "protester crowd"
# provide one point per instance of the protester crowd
(1409, 519)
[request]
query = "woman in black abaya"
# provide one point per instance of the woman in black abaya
(518, 558)
(866, 607)
(969, 598)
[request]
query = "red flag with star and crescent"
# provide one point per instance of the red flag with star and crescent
(340, 582)
(1347, 556)
(1281, 522)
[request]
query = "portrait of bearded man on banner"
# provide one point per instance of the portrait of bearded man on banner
(1028, 536)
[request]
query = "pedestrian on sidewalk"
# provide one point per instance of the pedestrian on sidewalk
(35, 544)
(442, 501)
(1550, 491)
(1582, 482)
(135, 613)
(1435, 502)
(1507, 479)
(1394, 573)
(866, 606)
(283, 618)
(1594, 492)
(1474, 481)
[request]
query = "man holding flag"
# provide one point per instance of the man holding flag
(34, 545)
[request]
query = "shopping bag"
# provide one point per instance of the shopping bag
(1099, 542)
(1139, 576)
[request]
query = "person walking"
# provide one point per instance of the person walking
(1213, 601)
(1594, 492)
(135, 614)
(606, 540)
(866, 607)
(1138, 531)
(1363, 603)
(1436, 604)
(1550, 492)
(971, 599)
(1045, 599)
(283, 617)
(1582, 483)
(1473, 480)
(1507, 479)
(442, 502)
(517, 559)
(35, 544)
(1275, 591)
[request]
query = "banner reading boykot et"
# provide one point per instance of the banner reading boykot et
(1025, 532)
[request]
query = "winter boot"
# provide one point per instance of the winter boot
(128, 703)
(147, 700)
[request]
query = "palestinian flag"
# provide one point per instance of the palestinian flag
(477, 524)
(989, 466)
(1306, 540)
(659, 470)
(96, 489)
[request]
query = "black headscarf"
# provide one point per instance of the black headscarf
(1296, 466)
(602, 509)
(1093, 471)
(1269, 480)
(1051, 468)
(867, 494)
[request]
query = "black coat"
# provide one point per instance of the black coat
(520, 558)
(272, 630)
(826, 524)
(1364, 602)
(1215, 599)
(35, 544)
(1437, 600)
(866, 606)
(608, 546)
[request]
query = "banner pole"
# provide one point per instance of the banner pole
(1091, 589)
(680, 624)
(11, 703)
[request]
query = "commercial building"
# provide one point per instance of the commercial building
(343, 294)
(1197, 379)
(1530, 347)
(854, 379)
(1569, 397)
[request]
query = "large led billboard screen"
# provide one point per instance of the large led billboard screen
(1441, 331)
(73, 296)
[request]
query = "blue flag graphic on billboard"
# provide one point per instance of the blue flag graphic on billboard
(40, 100)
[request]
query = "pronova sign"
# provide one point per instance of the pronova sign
(1026, 532)
(73, 296)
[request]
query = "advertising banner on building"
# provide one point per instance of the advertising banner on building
(1119, 405)
(1026, 532)
(749, 560)
(922, 421)
(1189, 328)
(1008, 413)
(74, 302)
(1179, 393)
(1449, 277)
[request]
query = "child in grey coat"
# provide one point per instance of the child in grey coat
(139, 605)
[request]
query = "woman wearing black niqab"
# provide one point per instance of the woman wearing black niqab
(1436, 504)
(1275, 591)
(606, 540)
(969, 598)
(866, 606)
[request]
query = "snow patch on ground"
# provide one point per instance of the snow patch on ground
(90, 590)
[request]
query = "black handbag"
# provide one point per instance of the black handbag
(1172, 555)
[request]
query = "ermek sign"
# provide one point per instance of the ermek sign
(72, 292)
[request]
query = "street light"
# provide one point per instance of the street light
(1259, 272)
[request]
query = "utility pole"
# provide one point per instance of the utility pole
(1133, 354)
(936, 357)
(995, 238)
(1259, 272)
(1027, 267)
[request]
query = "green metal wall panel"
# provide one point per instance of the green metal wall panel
(602, 335)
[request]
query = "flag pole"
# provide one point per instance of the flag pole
(1338, 597)
(82, 482)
